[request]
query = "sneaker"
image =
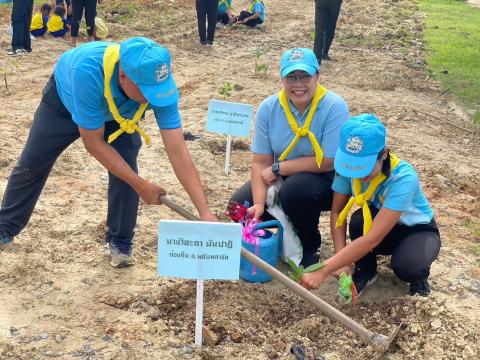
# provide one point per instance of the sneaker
(210, 42)
(420, 287)
(326, 57)
(363, 278)
(5, 239)
(121, 253)
(16, 52)
(203, 42)
(309, 259)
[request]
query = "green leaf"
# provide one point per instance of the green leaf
(315, 267)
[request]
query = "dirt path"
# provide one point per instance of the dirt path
(58, 295)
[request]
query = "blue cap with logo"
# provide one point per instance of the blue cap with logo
(298, 59)
(147, 64)
(361, 139)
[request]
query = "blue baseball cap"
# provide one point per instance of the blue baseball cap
(361, 139)
(147, 64)
(298, 59)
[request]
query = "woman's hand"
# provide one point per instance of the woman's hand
(313, 279)
(256, 210)
(346, 269)
(208, 216)
(268, 176)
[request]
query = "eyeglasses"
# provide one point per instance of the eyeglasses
(303, 78)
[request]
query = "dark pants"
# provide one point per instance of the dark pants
(223, 18)
(90, 13)
(206, 9)
(52, 131)
(21, 20)
(303, 197)
(251, 23)
(413, 248)
(326, 15)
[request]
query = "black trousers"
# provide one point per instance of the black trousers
(303, 197)
(206, 9)
(413, 248)
(52, 131)
(223, 18)
(21, 20)
(90, 7)
(251, 23)
(326, 15)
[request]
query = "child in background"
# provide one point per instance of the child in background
(58, 26)
(40, 20)
(255, 15)
(224, 12)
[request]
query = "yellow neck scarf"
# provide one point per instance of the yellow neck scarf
(362, 199)
(305, 130)
(110, 59)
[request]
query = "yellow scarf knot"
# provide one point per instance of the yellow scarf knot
(305, 129)
(361, 199)
(110, 59)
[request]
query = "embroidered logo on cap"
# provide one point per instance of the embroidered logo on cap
(354, 145)
(161, 73)
(296, 55)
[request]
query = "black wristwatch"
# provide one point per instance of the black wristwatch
(276, 169)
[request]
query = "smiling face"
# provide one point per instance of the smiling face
(129, 87)
(300, 88)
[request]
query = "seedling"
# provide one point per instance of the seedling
(10, 66)
(226, 90)
(259, 68)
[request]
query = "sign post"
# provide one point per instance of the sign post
(231, 119)
(199, 250)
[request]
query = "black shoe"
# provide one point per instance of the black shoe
(5, 239)
(363, 278)
(326, 57)
(210, 42)
(420, 287)
(203, 42)
(310, 259)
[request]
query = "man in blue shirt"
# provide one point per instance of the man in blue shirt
(94, 92)
(296, 137)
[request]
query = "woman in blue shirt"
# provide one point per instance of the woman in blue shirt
(388, 191)
(255, 15)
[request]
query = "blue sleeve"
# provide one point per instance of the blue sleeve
(65, 22)
(337, 116)
(400, 193)
(87, 101)
(44, 20)
(257, 8)
(342, 185)
(168, 117)
(261, 141)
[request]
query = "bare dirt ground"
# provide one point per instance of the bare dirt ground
(59, 298)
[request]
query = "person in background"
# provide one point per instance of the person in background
(224, 12)
(90, 7)
(21, 21)
(58, 26)
(296, 137)
(255, 15)
(326, 15)
(388, 191)
(40, 20)
(67, 4)
(206, 10)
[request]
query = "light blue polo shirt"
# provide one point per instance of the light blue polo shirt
(222, 8)
(273, 134)
(79, 79)
(259, 8)
(401, 191)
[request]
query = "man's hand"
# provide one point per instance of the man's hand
(313, 280)
(208, 217)
(256, 210)
(268, 176)
(151, 192)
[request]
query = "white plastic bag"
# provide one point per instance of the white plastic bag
(292, 247)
